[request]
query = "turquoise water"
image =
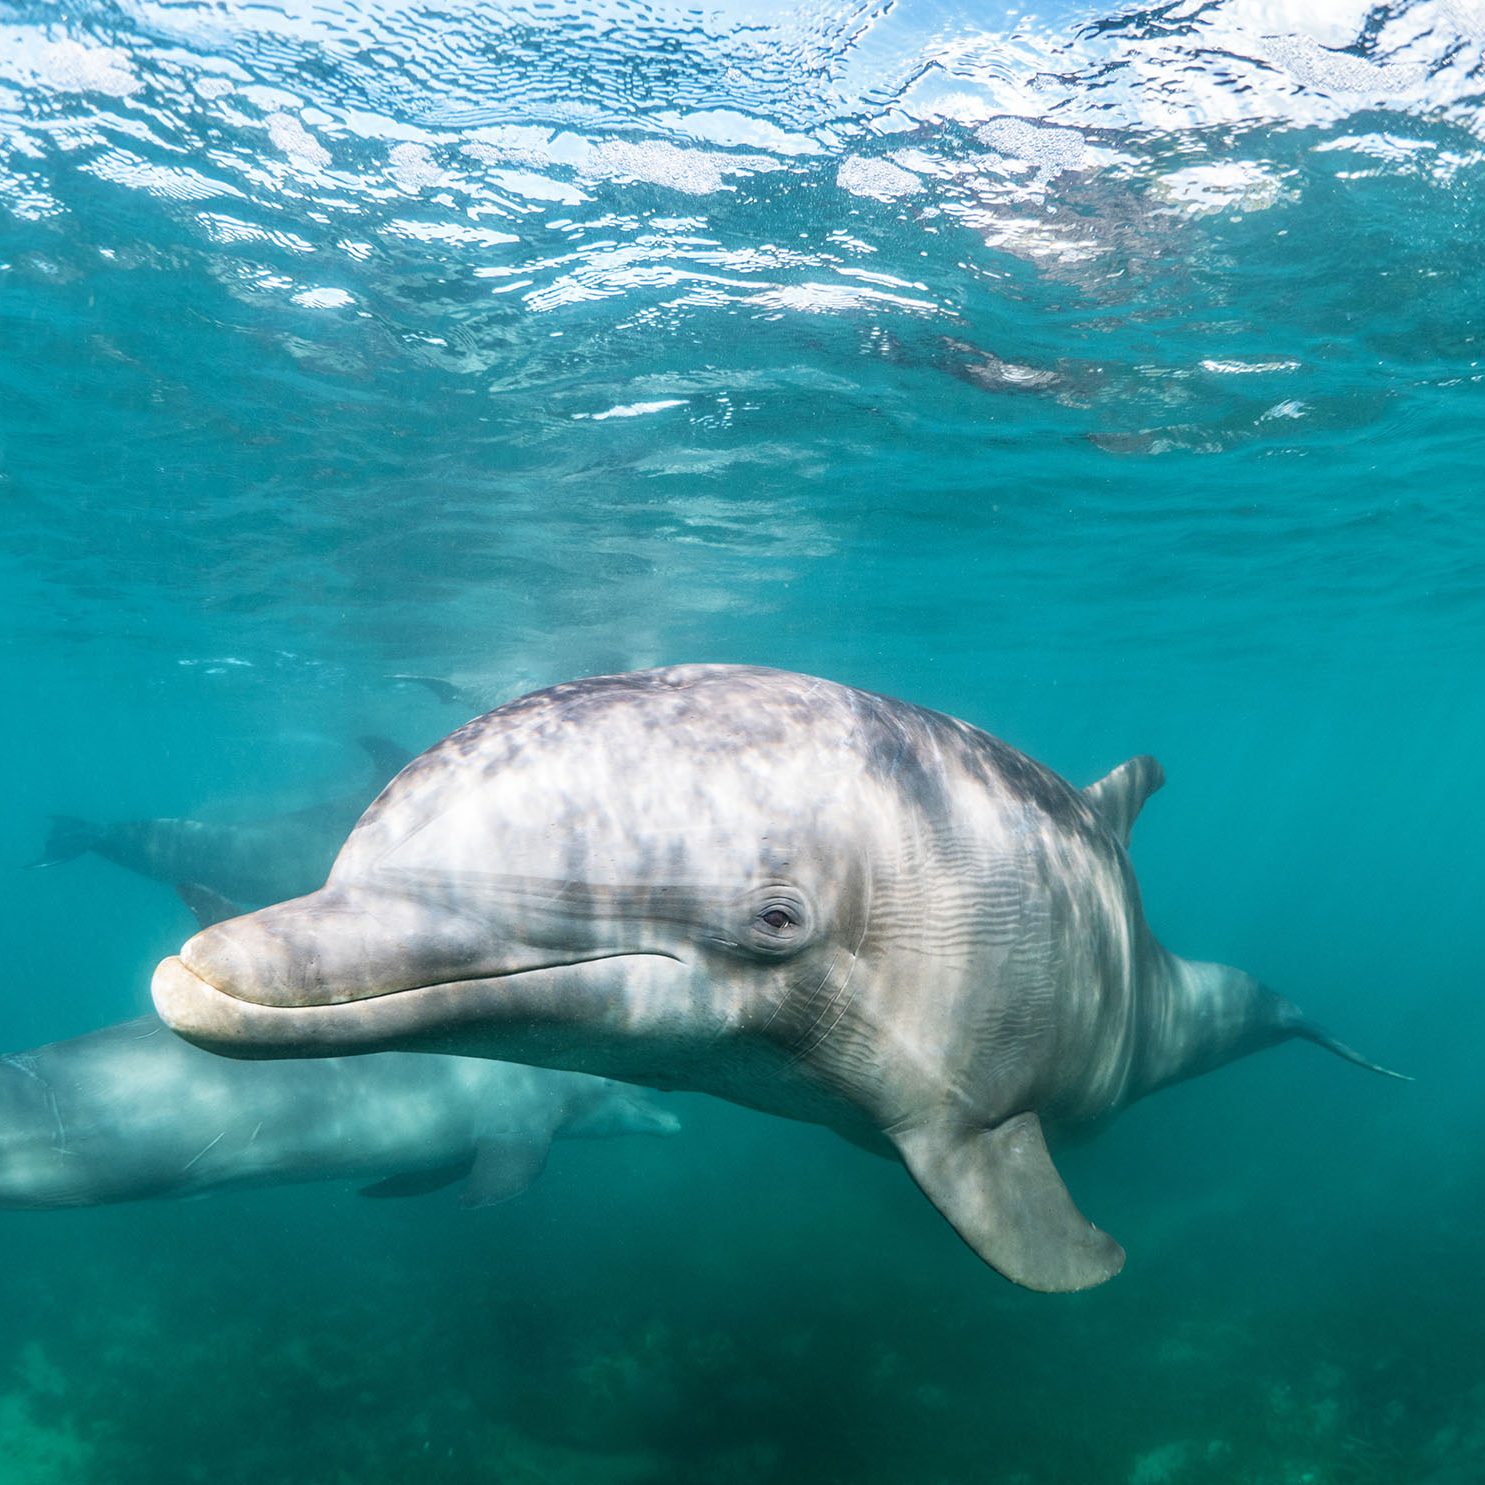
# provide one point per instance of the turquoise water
(1113, 382)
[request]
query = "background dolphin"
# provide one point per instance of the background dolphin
(246, 864)
(133, 1111)
(808, 899)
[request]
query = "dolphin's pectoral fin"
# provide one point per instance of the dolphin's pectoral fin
(207, 907)
(418, 1182)
(504, 1166)
(1003, 1196)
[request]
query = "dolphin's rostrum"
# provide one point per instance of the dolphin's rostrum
(802, 897)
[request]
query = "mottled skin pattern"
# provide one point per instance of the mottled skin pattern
(133, 1111)
(810, 900)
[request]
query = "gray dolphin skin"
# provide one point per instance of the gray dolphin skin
(133, 1112)
(247, 864)
(805, 898)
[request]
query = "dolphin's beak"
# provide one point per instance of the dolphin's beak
(201, 1013)
(340, 972)
(646, 1118)
(434, 1017)
(335, 946)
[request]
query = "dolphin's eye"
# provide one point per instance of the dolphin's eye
(777, 921)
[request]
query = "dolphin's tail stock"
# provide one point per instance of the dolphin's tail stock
(1217, 1013)
(68, 839)
(1293, 1022)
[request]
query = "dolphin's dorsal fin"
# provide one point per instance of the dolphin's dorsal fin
(1000, 1190)
(504, 1166)
(1119, 796)
(385, 756)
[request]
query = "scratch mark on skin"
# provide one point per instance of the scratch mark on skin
(25, 1062)
(209, 1146)
(257, 1129)
(783, 1001)
(840, 998)
(805, 1046)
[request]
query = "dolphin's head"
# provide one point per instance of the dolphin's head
(614, 1108)
(634, 861)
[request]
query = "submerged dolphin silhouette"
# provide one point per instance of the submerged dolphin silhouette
(132, 1111)
(247, 864)
(805, 898)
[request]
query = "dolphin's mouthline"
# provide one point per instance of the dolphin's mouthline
(358, 998)
(200, 1012)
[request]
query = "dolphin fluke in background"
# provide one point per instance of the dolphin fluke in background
(805, 898)
(68, 838)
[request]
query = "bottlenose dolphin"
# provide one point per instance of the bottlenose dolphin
(133, 1111)
(248, 864)
(802, 897)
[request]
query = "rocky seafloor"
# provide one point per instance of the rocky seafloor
(307, 1337)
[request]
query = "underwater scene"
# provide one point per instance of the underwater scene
(711, 1076)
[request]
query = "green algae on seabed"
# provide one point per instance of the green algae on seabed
(37, 1450)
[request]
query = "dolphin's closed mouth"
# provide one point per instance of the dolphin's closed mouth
(339, 947)
(354, 945)
(410, 1015)
(360, 994)
(198, 1011)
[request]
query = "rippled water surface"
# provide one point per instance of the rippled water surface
(1111, 381)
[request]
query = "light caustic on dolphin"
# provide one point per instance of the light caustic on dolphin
(805, 898)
